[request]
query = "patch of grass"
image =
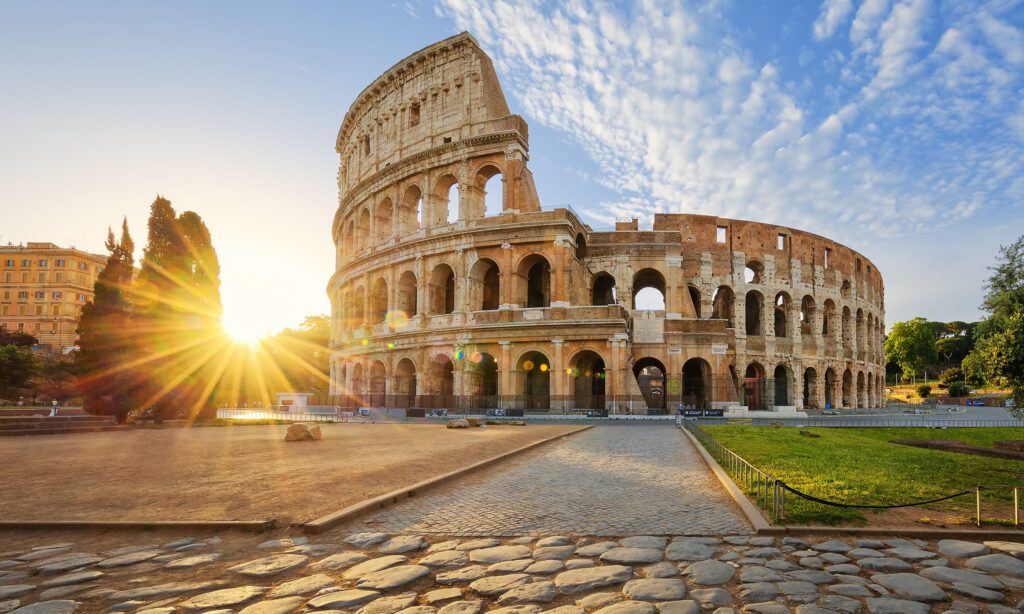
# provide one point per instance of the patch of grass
(860, 466)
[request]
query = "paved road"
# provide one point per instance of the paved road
(608, 481)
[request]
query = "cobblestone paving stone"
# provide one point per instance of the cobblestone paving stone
(610, 480)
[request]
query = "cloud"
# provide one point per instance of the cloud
(833, 13)
(680, 116)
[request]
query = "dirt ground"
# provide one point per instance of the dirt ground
(233, 473)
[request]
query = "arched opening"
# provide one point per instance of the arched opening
(442, 290)
(847, 327)
(581, 247)
(445, 201)
(534, 277)
(844, 290)
(587, 373)
(348, 235)
(363, 230)
(860, 330)
(723, 305)
(697, 383)
(355, 391)
(534, 372)
(781, 377)
(810, 388)
(695, 298)
(752, 272)
(379, 302)
(484, 285)
(405, 384)
(754, 308)
(603, 292)
(782, 306)
(481, 380)
(452, 206)
(407, 299)
(441, 381)
(828, 319)
(807, 308)
(383, 220)
(410, 211)
(862, 400)
(650, 376)
(649, 290)
(848, 400)
(490, 182)
(754, 387)
(357, 310)
(831, 381)
(377, 396)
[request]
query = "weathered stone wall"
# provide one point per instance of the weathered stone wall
(438, 298)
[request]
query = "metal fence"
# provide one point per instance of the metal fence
(884, 422)
(272, 414)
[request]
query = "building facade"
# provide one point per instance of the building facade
(442, 297)
(43, 288)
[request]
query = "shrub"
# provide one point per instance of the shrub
(958, 389)
(924, 390)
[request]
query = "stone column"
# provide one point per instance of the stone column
(558, 374)
(505, 367)
(612, 384)
(820, 388)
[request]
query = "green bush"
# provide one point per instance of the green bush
(951, 375)
(924, 390)
(958, 389)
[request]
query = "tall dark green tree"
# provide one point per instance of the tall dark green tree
(17, 367)
(106, 378)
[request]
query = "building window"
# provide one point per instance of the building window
(7, 277)
(366, 146)
(828, 253)
(43, 277)
(6, 311)
(23, 295)
(414, 114)
(26, 263)
(60, 262)
(9, 263)
(81, 298)
(720, 234)
(83, 266)
(59, 277)
(780, 241)
(42, 262)
(40, 296)
(57, 296)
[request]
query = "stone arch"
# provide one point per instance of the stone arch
(379, 301)
(694, 298)
(442, 210)
(410, 211)
(378, 389)
(723, 305)
(383, 220)
(753, 273)
(828, 319)
(405, 383)
(847, 328)
(441, 290)
(783, 305)
(861, 390)
(807, 313)
(484, 285)
(357, 310)
(831, 383)
(587, 372)
(363, 230)
(755, 392)
(408, 301)
(356, 390)
(489, 186)
(810, 388)
(697, 386)
(651, 377)
(754, 309)
(861, 346)
(848, 390)
(533, 374)
(533, 276)
(603, 289)
(581, 247)
(653, 279)
(440, 381)
(481, 380)
(783, 388)
(844, 290)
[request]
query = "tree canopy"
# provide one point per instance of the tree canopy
(911, 345)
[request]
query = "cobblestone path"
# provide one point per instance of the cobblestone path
(608, 481)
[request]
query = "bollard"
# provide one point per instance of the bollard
(1016, 506)
(977, 503)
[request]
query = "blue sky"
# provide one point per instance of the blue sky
(894, 126)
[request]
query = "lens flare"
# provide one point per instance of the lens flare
(476, 357)
(528, 365)
(543, 367)
(396, 319)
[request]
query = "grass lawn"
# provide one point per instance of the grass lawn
(859, 465)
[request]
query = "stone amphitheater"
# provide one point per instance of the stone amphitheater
(454, 287)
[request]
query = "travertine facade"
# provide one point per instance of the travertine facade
(437, 301)
(43, 290)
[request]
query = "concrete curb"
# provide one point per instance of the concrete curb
(752, 514)
(254, 526)
(333, 519)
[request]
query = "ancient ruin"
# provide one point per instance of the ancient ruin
(440, 301)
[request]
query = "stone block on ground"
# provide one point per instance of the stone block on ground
(303, 431)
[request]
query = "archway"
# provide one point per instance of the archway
(383, 220)
(782, 307)
(410, 211)
(810, 388)
(754, 308)
(807, 309)
(754, 387)
(378, 385)
(848, 400)
(534, 371)
(603, 292)
(723, 305)
(379, 302)
(650, 376)
(405, 384)
(753, 272)
(587, 373)
(441, 381)
(581, 247)
(695, 298)
(484, 285)
(828, 319)
(862, 400)
(697, 383)
(491, 183)
(442, 290)
(649, 290)
(481, 381)
(831, 382)
(534, 276)
(357, 310)
(781, 377)
(355, 390)
(407, 299)
(363, 230)
(847, 328)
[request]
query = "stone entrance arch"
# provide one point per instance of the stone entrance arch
(587, 373)
(697, 383)
(534, 374)
(650, 375)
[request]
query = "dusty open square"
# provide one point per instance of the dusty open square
(234, 473)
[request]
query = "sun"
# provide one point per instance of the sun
(244, 330)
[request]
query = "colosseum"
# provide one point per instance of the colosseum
(454, 288)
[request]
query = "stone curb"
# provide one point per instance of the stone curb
(335, 518)
(254, 526)
(752, 514)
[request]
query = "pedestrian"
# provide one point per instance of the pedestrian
(53, 408)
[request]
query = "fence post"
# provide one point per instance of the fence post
(1016, 506)
(977, 503)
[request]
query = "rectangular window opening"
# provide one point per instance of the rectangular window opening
(414, 115)
(720, 234)
(780, 242)
(828, 252)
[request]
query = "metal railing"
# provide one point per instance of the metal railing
(764, 489)
(884, 422)
(273, 414)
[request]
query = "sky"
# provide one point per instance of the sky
(893, 126)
